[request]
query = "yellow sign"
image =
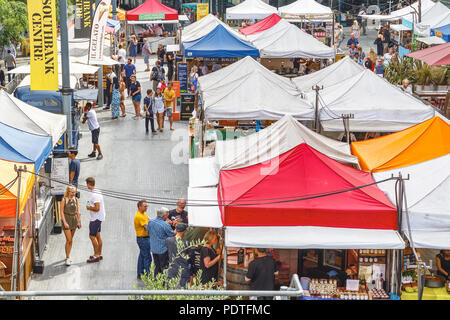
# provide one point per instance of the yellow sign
(43, 48)
(202, 10)
(437, 33)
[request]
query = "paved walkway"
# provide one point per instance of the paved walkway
(134, 163)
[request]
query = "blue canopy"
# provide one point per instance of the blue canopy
(219, 43)
(442, 32)
(113, 24)
(21, 146)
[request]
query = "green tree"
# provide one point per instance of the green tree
(14, 21)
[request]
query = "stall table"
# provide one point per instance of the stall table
(428, 294)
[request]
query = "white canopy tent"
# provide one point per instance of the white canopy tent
(73, 81)
(270, 142)
(204, 26)
(18, 114)
(409, 12)
(331, 75)
(292, 237)
(437, 16)
(376, 105)
(306, 11)
(285, 40)
(250, 9)
(431, 40)
(75, 68)
(107, 61)
(242, 68)
(427, 199)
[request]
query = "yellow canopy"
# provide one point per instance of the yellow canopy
(121, 14)
(8, 196)
(424, 141)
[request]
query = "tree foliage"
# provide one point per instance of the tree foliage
(14, 20)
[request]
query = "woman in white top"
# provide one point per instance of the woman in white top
(194, 78)
(355, 29)
(159, 108)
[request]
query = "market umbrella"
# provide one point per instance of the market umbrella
(434, 56)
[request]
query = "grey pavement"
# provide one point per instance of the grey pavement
(134, 163)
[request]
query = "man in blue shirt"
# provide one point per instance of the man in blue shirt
(74, 168)
(352, 40)
(130, 69)
(379, 68)
(159, 230)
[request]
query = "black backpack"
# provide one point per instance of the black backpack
(368, 63)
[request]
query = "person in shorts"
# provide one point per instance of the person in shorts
(146, 52)
(169, 96)
(96, 208)
(135, 91)
(94, 127)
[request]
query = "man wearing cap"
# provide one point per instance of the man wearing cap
(159, 230)
(176, 258)
(141, 220)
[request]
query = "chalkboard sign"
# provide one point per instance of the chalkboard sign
(183, 76)
(187, 106)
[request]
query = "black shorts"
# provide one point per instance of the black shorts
(95, 133)
(95, 227)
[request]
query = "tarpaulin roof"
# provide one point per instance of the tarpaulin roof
(152, 6)
(8, 196)
(262, 25)
(20, 115)
(21, 146)
(285, 40)
(431, 40)
(258, 147)
(331, 75)
(306, 8)
(250, 9)
(442, 32)
(204, 26)
(112, 26)
(265, 195)
(436, 16)
(75, 68)
(376, 105)
(435, 56)
(219, 43)
(422, 142)
(427, 198)
(244, 95)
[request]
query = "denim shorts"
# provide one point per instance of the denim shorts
(95, 227)
(136, 98)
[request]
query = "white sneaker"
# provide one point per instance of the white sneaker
(68, 262)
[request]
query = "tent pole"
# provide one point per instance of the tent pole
(16, 233)
(316, 117)
(225, 262)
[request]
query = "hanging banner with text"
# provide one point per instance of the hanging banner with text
(83, 19)
(43, 48)
(98, 29)
(202, 10)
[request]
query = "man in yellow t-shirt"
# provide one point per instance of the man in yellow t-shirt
(169, 95)
(141, 220)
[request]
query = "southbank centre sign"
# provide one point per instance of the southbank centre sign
(43, 47)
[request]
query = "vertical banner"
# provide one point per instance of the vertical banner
(98, 29)
(183, 76)
(202, 10)
(83, 20)
(43, 48)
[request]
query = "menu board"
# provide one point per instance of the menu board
(187, 106)
(183, 76)
(60, 172)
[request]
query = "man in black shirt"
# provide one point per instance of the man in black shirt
(170, 61)
(261, 273)
(387, 39)
(176, 259)
(179, 214)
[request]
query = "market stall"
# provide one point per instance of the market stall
(19, 147)
(341, 224)
(152, 10)
(401, 35)
(250, 9)
(437, 16)
(261, 25)
(422, 142)
(435, 56)
(284, 40)
(376, 105)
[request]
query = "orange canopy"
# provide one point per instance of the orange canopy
(424, 141)
(121, 14)
(8, 196)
